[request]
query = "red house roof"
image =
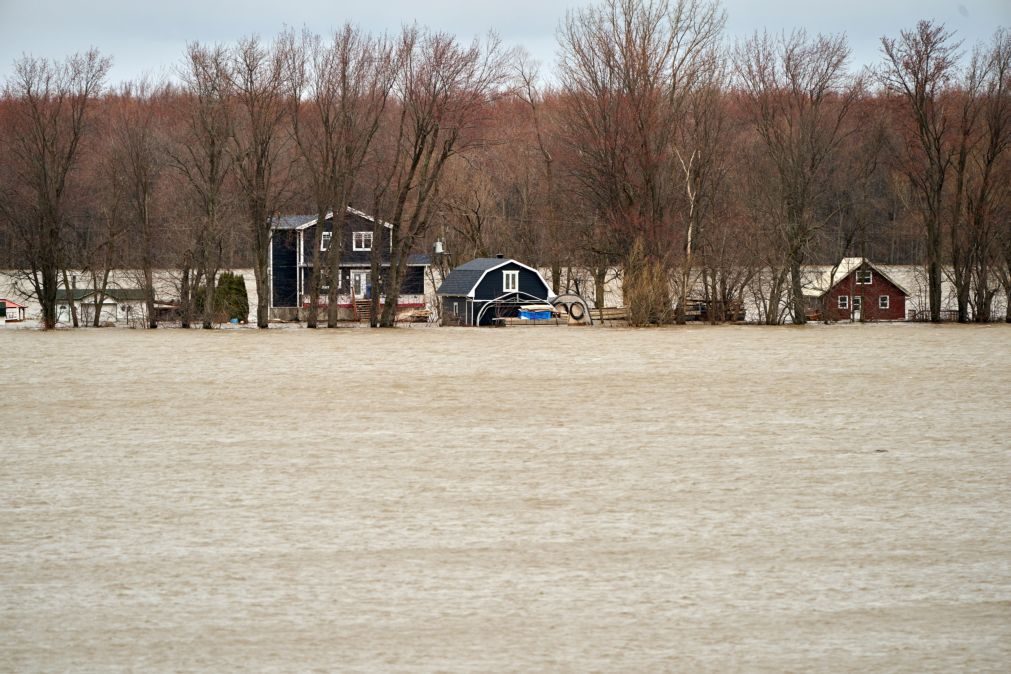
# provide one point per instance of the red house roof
(847, 266)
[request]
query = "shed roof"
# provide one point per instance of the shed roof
(827, 280)
(117, 294)
(464, 279)
(11, 304)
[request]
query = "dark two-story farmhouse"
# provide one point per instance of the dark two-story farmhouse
(859, 291)
(291, 257)
(479, 291)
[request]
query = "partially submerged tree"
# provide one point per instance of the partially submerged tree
(339, 90)
(701, 151)
(986, 183)
(200, 155)
(137, 148)
(628, 68)
(443, 91)
(257, 78)
(50, 103)
(919, 65)
(798, 95)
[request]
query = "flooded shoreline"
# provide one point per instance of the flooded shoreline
(716, 499)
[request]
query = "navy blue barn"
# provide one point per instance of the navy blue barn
(477, 292)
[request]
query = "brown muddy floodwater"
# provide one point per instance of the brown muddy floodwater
(550, 499)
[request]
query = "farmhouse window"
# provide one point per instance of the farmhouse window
(362, 241)
(865, 278)
(510, 281)
(844, 302)
(325, 240)
(857, 303)
(883, 301)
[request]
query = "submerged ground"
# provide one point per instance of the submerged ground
(729, 498)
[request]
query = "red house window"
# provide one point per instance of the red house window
(883, 301)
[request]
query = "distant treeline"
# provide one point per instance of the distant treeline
(656, 149)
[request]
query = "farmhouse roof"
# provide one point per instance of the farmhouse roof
(292, 221)
(304, 221)
(847, 266)
(419, 260)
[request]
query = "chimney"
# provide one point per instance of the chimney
(499, 255)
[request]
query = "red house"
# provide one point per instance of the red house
(858, 291)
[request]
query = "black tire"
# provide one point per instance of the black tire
(576, 310)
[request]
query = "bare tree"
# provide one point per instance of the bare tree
(340, 89)
(50, 104)
(200, 155)
(257, 78)
(919, 66)
(627, 68)
(798, 95)
(443, 92)
(533, 97)
(700, 148)
(138, 150)
(986, 190)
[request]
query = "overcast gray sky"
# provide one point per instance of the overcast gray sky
(148, 37)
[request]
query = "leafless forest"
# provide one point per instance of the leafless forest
(655, 146)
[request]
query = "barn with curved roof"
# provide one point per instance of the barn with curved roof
(487, 288)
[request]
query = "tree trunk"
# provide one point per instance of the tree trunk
(71, 303)
(797, 292)
(100, 290)
(598, 286)
(375, 269)
(152, 322)
(185, 305)
(261, 273)
(333, 256)
(934, 271)
(209, 300)
(392, 285)
(962, 294)
(47, 297)
(772, 301)
(312, 318)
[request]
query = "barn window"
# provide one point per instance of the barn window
(883, 301)
(362, 241)
(864, 278)
(857, 303)
(844, 302)
(510, 281)
(325, 241)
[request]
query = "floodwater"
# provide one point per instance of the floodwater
(547, 499)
